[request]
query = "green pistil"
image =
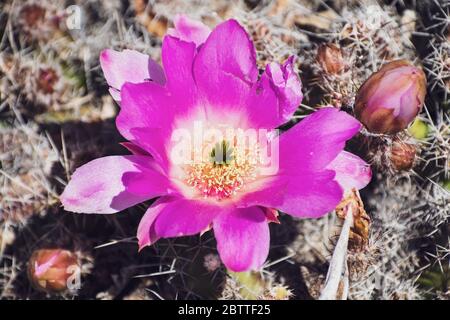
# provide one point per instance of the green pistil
(222, 153)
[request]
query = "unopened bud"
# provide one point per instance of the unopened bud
(391, 98)
(330, 58)
(47, 79)
(50, 270)
(32, 15)
(402, 155)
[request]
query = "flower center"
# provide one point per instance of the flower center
(223, 171)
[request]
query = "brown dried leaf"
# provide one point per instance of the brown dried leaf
(359, 232)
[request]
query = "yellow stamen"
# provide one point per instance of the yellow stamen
(222, 180)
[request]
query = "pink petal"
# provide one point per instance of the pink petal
(225, 67)
(184, 217)
(275, 97)
(144, 105)
(305, 152)
(302, 186)
(313, 143)
(311, 195)
(299, 193)
(287, 85)
(103, 185)
(114, 93)
(189, 30)
(177, 59)
(242, 238)
(129, 66)
(263, 106)
(228, 49)
(351, 171)
(265, 192)
(154, 141)
(151, 177)
(147, 115)
(146, 232)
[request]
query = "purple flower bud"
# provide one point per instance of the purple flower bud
(391, 98)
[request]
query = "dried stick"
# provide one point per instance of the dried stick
(338, 260)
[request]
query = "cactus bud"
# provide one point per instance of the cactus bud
(402, 155)
(391, 98)
(330, 58)
(47, 79)
(50, 270)
(32, 15)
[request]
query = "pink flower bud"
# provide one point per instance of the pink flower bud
(391, 98)
(50, 269)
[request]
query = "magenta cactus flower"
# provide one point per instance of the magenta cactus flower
(391, 98)
(211, 82)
